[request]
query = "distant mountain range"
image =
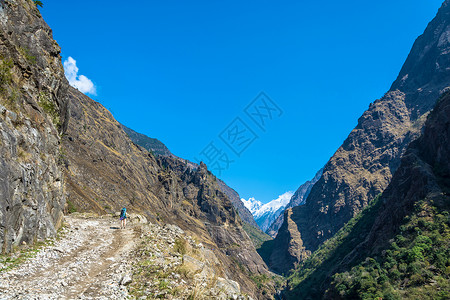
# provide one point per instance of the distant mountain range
(265, 214)
(269, 216)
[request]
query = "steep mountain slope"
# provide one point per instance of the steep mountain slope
(244, 213)
(398, 248)
(105, 170)
(299, 198)
(157, 147)
(33, 108)
(151, 144)
(363, 166)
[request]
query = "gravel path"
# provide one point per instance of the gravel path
(90, 262)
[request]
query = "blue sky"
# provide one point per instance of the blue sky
(183, 71)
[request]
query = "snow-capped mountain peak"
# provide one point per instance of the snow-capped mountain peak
(265, 214)
(274, 205)
(252, 204)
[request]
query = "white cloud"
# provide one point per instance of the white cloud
(80, 82)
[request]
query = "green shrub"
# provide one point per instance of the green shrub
(418, 255)
(415, 253)
(38, 3)
(163, 285)
(257, 236)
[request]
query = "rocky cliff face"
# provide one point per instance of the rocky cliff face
(33, 109)
(363, 166)
(299, 198)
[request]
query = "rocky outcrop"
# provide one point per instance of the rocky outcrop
(33, 109)
(289, 248)
(207, 203)
(169, 262)
(299, 198)
(363, 166)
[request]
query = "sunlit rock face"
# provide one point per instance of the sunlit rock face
(33, 113)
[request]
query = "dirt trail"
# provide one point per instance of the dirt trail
(89, 262)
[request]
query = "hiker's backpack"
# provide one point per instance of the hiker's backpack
(123, 212)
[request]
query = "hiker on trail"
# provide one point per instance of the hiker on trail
(123, 218)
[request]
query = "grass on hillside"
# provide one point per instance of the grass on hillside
(415, 265)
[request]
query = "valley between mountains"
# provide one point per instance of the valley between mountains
(373, 223)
